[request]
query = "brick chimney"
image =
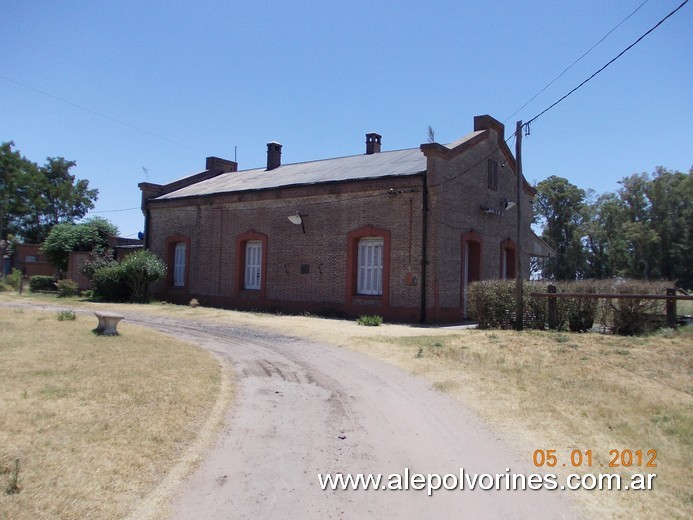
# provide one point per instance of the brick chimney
(218, 164)
(274, 155)
(373, 143)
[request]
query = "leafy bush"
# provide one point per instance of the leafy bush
(42, 283)
(108, 283)
(95, 262)
(620, 315)
(635, 316)
(536, 311)
(67, 288)
(129, 279)
(140, 269)
(487, 302)
(492, 304)
(14, 279)
(579, 314)
(370, 321)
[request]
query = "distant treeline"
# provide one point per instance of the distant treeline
(641, 231)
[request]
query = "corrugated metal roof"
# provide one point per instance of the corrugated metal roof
(540, 247)
(401, 162)
(373, 166)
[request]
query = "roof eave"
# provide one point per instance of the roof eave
(165, 198)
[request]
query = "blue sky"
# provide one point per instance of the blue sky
(186, 80)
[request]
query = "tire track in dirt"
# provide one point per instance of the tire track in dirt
(304, 408)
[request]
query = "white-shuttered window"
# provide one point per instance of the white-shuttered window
(370, 267)
(253, 264)
(179, 265)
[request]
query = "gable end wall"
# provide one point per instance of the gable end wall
(458, 186)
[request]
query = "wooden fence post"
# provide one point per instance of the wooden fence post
(552, 308)
(671, 309)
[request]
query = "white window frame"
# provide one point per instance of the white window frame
(253, 265)
(179, 254)
(369, 269)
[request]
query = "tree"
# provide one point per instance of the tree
(11, 163)
(604, 241)
(641, 240)
(92, 235)
(671, 219)
(35, 198)
(559, 206)
(12, 168)
(642, 231)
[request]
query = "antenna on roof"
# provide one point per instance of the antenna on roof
(235, 149)
(431, 134)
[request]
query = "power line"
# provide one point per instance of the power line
(115, 210)
(100, 114)
(576, 61)
(526, 125)
(470, 168)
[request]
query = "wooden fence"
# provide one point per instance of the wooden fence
(671, 297)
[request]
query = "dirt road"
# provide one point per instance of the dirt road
(305, 408)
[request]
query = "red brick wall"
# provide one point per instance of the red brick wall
(304, 271)
(40, 266)
(458, 187)
(310, 271)
(75, 261)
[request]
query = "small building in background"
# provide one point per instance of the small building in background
(122, 247)
(31, 262)
(118, 246)
(29, 259)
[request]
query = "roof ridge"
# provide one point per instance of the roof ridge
(329, 159)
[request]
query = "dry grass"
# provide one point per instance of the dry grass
(540, 390)
(543, 390)
(564, 391)
(96, 422)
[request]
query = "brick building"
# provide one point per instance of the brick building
(395, 233)
(29, 259)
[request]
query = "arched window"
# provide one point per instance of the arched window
(369, 276)
(179, 264)
(368, 265)
(253, 265)
(471, 263)
(178, 261)
(507, 259)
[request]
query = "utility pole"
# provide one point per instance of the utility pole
(518, 244)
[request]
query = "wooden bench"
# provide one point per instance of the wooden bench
(108, 323)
